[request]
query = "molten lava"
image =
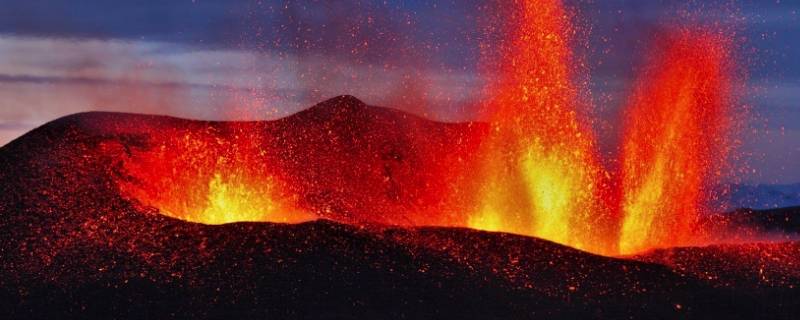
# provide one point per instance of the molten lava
(674, 142)
(211, 178)
(536, 170)
(542, 174)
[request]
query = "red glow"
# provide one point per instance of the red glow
(541, 171)
(674, 142)
(213, 178)
(536, 171)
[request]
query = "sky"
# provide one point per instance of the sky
(249, 59)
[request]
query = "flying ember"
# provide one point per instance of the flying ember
(542, 175)
(209, 178)
(674, 142)
(535, 170)
(213, 159)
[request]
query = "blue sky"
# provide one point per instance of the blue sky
(230, 59)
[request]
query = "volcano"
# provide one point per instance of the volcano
(109, 215)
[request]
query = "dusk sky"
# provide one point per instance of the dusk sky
(245, 59)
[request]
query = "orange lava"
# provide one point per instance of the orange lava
(540, 169)
(537, 170)
(209, 178)
(673, 142)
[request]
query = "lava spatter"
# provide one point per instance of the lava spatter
(208, 177)
(674, 141)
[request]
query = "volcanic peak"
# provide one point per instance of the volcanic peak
(340, 107)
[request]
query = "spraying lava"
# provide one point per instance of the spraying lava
(536, 170)
(128, 214)
(674, 142)
(542, 176)
(210, 178)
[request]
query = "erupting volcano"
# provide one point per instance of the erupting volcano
(351, 210)
(675, 142)
(539, 171)
(543, 174)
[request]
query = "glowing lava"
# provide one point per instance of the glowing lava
(674, 143)
(541, 170)
(535, 171)
(202, 177)
(542, 176)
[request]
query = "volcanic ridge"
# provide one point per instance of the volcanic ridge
(93, 226)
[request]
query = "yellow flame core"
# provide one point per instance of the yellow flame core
(554, 189)
(540, 167)
(231, 202)
(488, 217)
(200, 177)
(228, 199)
(543, 195)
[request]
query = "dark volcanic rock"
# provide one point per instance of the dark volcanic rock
(72, 247)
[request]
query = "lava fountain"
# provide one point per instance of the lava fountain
(674, 142)
(542, 175)
(535, 171)
(541, 170)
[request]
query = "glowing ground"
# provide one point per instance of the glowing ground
(77, 242)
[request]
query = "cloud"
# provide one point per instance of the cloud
(44, 78)
(207, 21)
(243, 59)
